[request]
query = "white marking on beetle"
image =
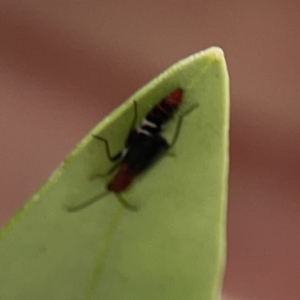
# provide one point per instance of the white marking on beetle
(146, 122)
(144, 131)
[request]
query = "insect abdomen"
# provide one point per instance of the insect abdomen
(161, 113)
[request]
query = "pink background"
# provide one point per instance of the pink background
(65, 64)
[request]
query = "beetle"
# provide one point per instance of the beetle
(144, 145)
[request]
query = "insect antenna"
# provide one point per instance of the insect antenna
(97, 197)
(126, 204)
(92, 200)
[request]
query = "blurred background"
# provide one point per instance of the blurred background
(64, 65)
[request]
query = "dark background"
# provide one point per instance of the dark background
(66, 64)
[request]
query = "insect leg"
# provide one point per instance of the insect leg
(177, 132)
(111, 170)
(107, 149)
(135, 116)
(115, 157)
(179, 124)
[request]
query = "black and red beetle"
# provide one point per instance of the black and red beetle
(143, 146)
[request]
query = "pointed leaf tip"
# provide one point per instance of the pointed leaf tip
(173, 247)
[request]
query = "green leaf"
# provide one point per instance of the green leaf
(172, 247)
